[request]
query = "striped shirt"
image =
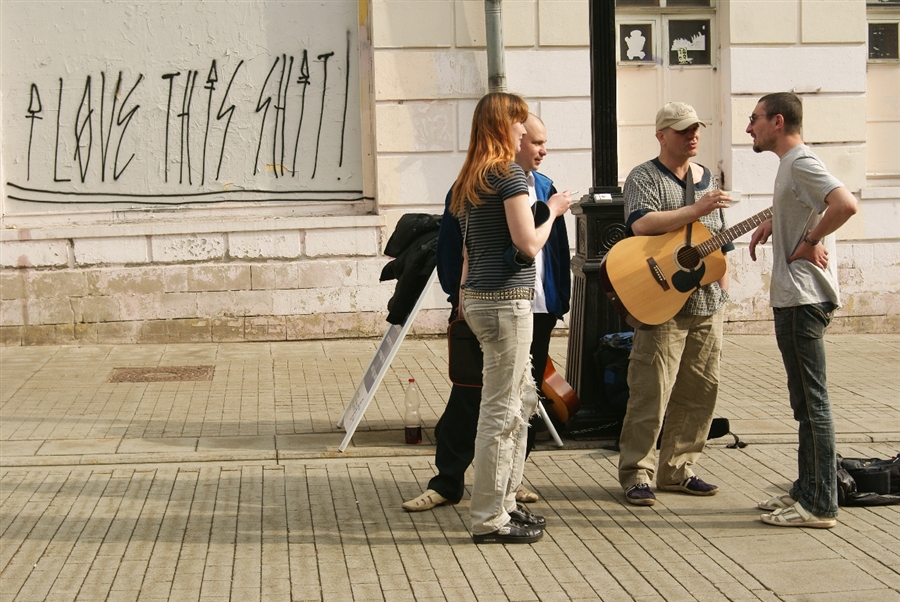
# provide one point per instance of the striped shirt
(487, 235)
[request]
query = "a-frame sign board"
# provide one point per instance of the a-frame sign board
(378, 367)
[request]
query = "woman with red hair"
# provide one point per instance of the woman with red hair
(501, 238)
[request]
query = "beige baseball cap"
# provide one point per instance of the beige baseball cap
(677, 115)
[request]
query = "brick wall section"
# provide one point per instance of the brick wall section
(251, 285)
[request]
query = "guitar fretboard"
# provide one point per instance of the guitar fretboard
(726, 236)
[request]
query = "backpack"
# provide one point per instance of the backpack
(602, 419)
(612, 364)
(868, 481)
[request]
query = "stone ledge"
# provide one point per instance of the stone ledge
(372, 444)
(354, 325)
(186, 226)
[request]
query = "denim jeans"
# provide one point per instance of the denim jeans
(799, 332)
(508, 400)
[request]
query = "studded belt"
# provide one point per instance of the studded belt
(507, 294)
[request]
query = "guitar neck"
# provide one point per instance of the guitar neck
(726, 236)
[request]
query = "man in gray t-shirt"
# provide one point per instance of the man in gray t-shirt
(809, 204)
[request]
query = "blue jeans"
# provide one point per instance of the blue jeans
(799, 332)
(508, 400)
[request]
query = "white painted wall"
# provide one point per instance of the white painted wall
(149, 103)
(426, 86)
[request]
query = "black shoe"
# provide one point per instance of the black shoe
(522, 516)
(691, 485)
(511, 532)
(640, 494)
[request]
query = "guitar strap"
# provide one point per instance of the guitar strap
(689, 197)
(689, 200)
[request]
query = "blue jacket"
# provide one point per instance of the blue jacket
(557, 274)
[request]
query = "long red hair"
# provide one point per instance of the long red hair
(491, 146)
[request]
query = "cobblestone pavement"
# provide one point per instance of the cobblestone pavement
(234, 489)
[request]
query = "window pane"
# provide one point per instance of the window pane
(689, 42)
(883, 41)
(687, 3)
(636, 43)
(637, 2)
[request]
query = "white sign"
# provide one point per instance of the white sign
(378, 367)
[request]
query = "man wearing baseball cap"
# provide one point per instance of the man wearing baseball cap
(673, 372)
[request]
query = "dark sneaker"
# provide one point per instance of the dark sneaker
(511, 532)
(693, 486)
(522, 516)
(639, 494)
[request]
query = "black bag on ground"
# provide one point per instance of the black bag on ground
(868, 481)
(601, 417)
(612, 363)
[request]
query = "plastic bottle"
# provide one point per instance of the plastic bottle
(411, 418)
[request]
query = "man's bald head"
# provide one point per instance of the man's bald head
(534, 144)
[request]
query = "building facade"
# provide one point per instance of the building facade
(188, 172)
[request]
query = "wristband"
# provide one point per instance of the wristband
(812, 242)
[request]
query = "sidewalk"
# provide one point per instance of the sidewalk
(233, 488)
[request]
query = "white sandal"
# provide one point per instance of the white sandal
(777, 502)
(797, 516)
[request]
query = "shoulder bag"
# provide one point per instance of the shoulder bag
(466, 360)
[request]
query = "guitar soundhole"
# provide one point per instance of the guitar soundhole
(688, 258)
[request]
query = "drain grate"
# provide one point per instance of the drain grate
(161, 374)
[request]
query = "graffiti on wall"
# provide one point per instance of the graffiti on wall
(233, 126)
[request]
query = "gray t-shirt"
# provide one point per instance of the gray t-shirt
(801, 185)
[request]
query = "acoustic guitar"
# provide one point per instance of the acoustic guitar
(563, 400)
(648, 279)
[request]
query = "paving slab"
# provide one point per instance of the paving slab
(246, 443)
(234, 488)
(157, 445)
(69, 447)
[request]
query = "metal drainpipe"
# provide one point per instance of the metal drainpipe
(493, 20)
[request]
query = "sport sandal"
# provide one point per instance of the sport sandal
(797, 516)
(511, 532)
(526, 518)
(777, 502)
